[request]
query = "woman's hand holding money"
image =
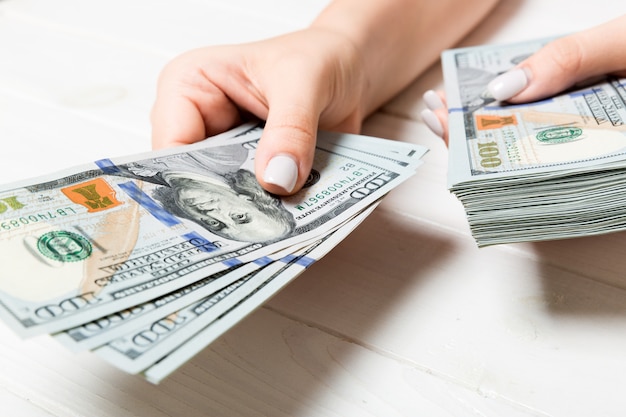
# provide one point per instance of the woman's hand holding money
(353, 58)
(563, 63)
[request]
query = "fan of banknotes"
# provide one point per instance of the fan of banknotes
(546, 170)
(146, 260)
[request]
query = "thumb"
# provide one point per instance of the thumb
(285, 153)
(564, 62)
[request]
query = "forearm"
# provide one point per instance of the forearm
(399, 39)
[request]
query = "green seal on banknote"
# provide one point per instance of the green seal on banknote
(559, 134)
(64, 246)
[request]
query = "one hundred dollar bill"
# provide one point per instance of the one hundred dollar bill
(104, 329)
(212, 328)
(579, 129)
(102, 238)
(113, 326)
(144, 346)
(549, 169)
(120, 323)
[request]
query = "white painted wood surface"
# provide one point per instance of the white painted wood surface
(405, 318)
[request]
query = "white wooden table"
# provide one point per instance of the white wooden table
(406, 317)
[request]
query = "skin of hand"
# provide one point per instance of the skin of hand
(307, 77)
(561, 64)
(353, 58)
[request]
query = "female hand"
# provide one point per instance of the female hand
(561, 64)
(306, 78)
(353, 58)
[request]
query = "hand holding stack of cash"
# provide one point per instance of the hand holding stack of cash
(146, 260)
(546, 170)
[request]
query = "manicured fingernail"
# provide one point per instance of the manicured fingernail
(509, 84)
(433, 123)
(432, 100)
(282, 170)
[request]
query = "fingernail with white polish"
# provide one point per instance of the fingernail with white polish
(509, 84)
(282, 170)
(433, 123)
(432, 100)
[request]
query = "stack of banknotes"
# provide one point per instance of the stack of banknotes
(551, 169)
(146, 260)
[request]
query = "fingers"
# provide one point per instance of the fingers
(559, 65)
(303, 87)
(285, 153)
(284, 156)
(565, 62)
(175, 121)
(189, 106)
(293, 82)
(435, 116)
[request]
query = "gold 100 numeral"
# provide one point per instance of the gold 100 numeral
(489, 155)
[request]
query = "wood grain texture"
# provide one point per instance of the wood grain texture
(406, 317)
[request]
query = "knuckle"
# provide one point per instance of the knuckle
(567, 54)
(295, 132)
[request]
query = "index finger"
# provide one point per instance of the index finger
(575, 58)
